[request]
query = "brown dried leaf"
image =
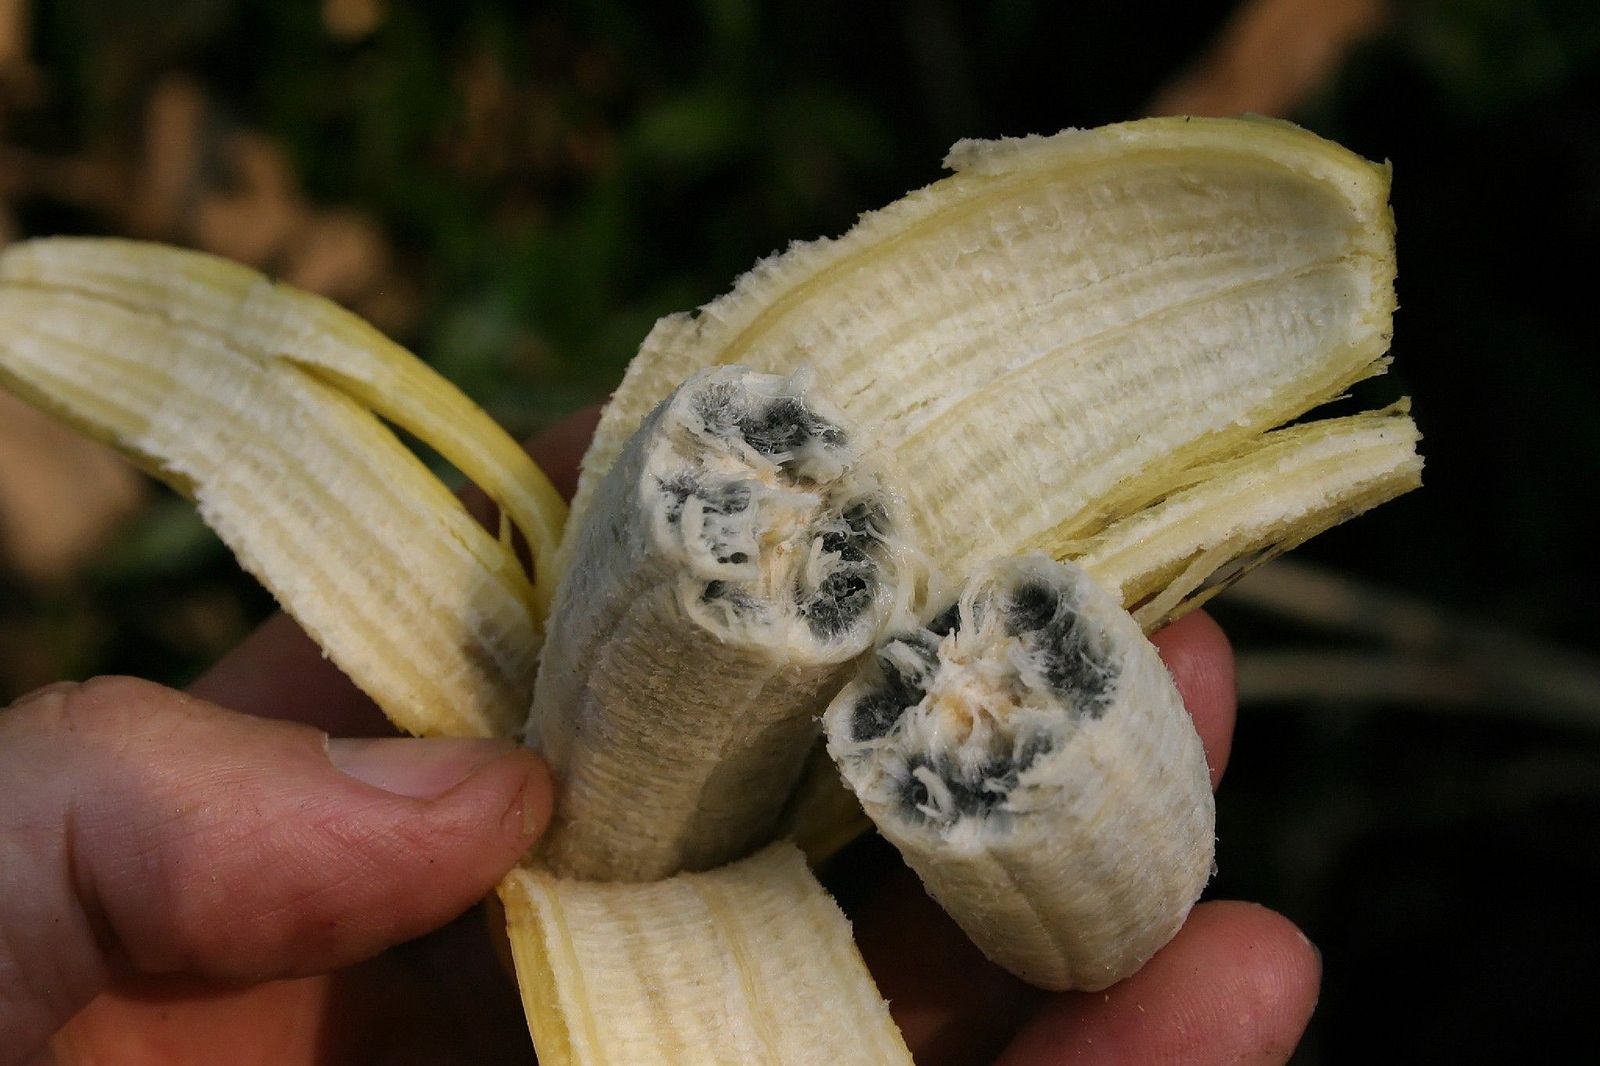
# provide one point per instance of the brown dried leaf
(170, 178)
(340, 254)
(263, 211)
(1271, 57)
(13, 34)
(351, 20)
(61, 494)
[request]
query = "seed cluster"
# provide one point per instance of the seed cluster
(1066, 660)
(808, 453)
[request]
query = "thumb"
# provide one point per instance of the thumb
(145, 831)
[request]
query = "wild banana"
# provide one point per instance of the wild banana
(741, 558)
(1078, 344)
(1030, 757)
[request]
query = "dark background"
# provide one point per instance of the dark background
(516, 191)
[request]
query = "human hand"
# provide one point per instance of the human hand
(199, 877)
(185, 882)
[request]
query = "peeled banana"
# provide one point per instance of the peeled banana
(741, 555)
(1031, 758)
(1081, 345)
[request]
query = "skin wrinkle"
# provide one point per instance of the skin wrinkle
(342, 835)
(82, 891)
(315, 905)
(180, 850)
(41, 853)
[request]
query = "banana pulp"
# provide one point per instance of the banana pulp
(741, 556)
(1001, 747)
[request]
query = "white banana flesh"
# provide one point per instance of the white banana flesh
(1031, 758)
(740, 556)
(750, 963)
(197, 369)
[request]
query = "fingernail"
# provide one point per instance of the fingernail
(536, 807)
(421, 769)
(538, 800)
(1312, 944)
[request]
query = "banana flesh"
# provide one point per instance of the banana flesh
(740, 557)
(1031, 758)
(752, 962)
(1052, 337)
(257, 401)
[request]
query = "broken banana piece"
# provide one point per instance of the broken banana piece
(740, 555)
(1031, 758)
(1173, 556)
(749, 963)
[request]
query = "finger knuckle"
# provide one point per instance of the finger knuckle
(88, 709)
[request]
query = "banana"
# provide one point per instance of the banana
(260, 403)
(740, 557)
(752, 962)
(1081, 345)
(1031, 758)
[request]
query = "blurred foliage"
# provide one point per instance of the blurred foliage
(529, 186)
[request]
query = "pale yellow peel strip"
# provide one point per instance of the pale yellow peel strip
(179, 359)
(276, 322)
(752, 962)
(1288, 486)
(1047, 339)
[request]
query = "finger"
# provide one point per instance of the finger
(435, 1000)
(559, 449)
(279, 672)
(1238, 984)
(953, 1004)
(150, 832)
(1200, 659)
